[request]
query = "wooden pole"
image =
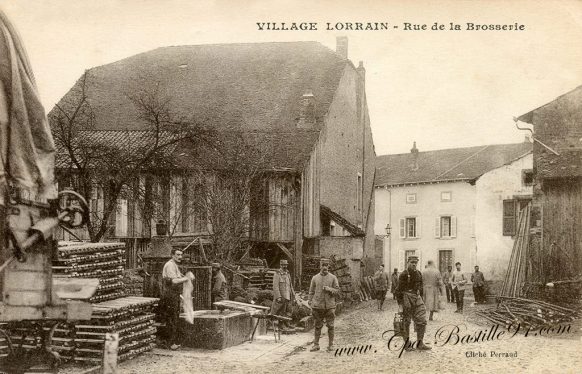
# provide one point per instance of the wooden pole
(110, 353)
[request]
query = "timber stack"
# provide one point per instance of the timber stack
(132, 317)
(104, 261)
(342, 271)
(366, 288)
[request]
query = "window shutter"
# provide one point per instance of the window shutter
(453, 226)
(401, 265)
(509, 217)
(437, 227)
(402, 228)
(418, 227)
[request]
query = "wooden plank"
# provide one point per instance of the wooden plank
(239, 304)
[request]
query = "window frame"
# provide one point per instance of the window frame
(525, 172)
(413, 197)
(450, 199)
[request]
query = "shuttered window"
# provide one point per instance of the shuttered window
(445, 227)
(410, 227)
(509, 217)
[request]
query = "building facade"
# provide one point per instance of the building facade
(449, 206)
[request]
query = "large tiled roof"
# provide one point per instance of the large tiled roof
(253, 88)
(447, 164)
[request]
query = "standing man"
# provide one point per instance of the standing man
(381, 279)
(410, 300)
(448, 287)
(432, 291)
(173, 283)
(478, 285)
(219, 285)
(283, 293)
(394, 285)
(459, 281)
(322, 292)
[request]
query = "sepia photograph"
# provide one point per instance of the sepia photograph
(290, 186)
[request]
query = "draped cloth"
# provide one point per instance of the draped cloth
(187, 298)
(27, 149)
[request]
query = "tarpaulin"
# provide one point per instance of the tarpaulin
(27, 149)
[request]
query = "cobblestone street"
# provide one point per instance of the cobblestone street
(364, 325)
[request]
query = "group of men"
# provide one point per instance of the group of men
(418, 292)
(415, 292)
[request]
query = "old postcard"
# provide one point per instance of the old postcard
(293, 186)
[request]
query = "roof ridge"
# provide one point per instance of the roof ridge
(450, 149)
(461, 162)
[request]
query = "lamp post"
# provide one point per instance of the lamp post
(387, 246)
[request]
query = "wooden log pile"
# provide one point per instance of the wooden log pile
(104, 261)
(342, 271)
(528, 313)
(366, 288)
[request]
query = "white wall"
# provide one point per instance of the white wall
(494, 249)
(391, 206)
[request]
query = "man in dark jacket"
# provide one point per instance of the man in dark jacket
(394, 285)
(478, 285)
(410, 298)
(322, 293)
(381, 281)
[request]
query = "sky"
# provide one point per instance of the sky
(442, 89)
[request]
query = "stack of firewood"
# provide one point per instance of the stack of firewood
(528, 313)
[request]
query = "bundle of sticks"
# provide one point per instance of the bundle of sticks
(528, 313)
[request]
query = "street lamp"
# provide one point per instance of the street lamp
(388, 229)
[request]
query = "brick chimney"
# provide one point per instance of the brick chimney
(414, 152)
(341, 46)
(307, 111)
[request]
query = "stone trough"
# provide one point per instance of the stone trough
(214, 329)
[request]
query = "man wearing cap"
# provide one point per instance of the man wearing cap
(170, 303)
(219, 286)
(410, 300)
(322, 292)
(283, 294)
